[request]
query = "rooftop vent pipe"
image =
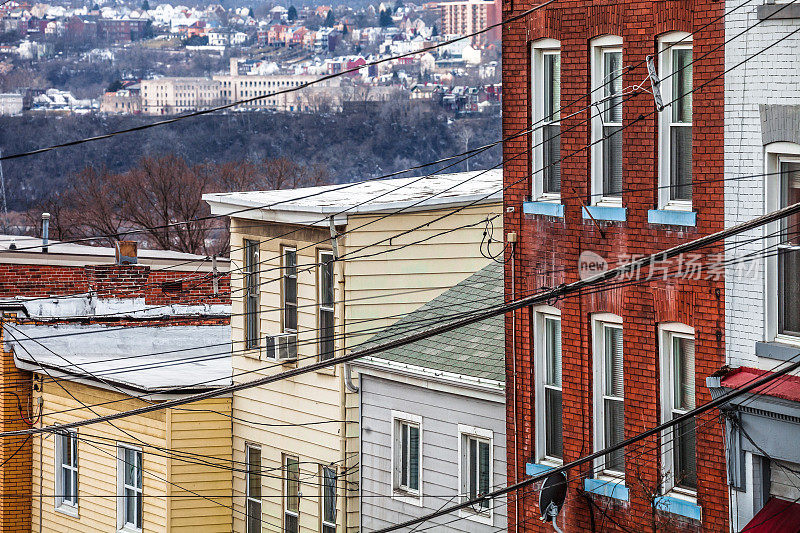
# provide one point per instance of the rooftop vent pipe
(45, 231)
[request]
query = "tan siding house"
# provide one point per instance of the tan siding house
(398, 248)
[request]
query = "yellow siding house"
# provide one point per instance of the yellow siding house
(315, 271)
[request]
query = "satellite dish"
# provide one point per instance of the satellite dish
(552, 496)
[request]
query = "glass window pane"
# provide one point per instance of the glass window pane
(253, 516)
(326, 280)
(683, 373)
(552, 332)
(789, 296)
(66, 478)
(612, 87)
(326, 346)
(483, 469)
(684, 457)
(680, 162)
(553, 424)
(138, 469)
(612, 160)
(254, 472)
(291, 524)
(329, 491)
(682, 85)
(291, 290)
(292, 484)
(551, 165)
(614, 433)
(790, 194)
(613, 362)
(552, 87)
(404, 455)
(413, 462)
(473, 462)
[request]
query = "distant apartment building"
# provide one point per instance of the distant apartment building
(167, 96)
(10, 104)
(242, 87)
(121, 30)
(463, 17)
(124, 101)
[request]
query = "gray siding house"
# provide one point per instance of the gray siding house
(432, 415)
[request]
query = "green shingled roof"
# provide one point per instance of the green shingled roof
(476, 350)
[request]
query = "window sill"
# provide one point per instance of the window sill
(129, 529)
(608, 487)
(407, 497)
(67, 509)
(679, 504)
(608, 213)
(672, 217)
(780, 351)
(778, 11)
(474, 516)
(534, 469)
(550, 209)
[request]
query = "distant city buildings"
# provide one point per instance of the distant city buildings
(463, 17)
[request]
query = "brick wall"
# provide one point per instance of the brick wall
(547, 255)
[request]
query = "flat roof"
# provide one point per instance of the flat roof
(136, 360)
(29, 251)
(308, 205)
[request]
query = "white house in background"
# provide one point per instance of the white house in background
(762, 293)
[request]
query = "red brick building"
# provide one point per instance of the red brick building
(66, 277)
(605, 177)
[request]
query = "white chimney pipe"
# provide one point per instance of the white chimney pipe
(45, 231)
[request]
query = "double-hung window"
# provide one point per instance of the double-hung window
(678, 397)
(67, 471)
(289, 268)
(607, 121)
(547, 332)
(251, 292)
(328, 502)
(407, 453)
(475, 467)
(129, 488)
(675, 146)
(253, 488)
(326, 301)
(291, 494)
(609, 393)
(546, 112)
(789, 251)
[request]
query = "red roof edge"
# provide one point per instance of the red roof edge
(785, 387)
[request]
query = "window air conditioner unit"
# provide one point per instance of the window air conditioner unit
(282, 347)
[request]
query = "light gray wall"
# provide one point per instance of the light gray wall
(441, 414)
(753, 92)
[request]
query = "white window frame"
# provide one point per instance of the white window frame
(599, 47)
(775, 154)
(252, 339)
(538, 50)
(285, 483)
(324, 523)
(599, 322)
(248, 497)
(122, 524)
(62, 504)
(667, 332)
(464, 432)
(284, 276)
(540, 374)
(665, 44)
(322, 308)
(398, 492)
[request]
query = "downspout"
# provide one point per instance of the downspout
(512, 238)
(41, 449)
(340, 313)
